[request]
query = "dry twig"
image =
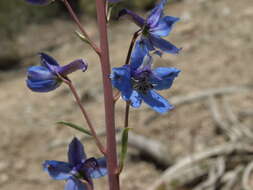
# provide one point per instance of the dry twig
(215, 173)
(170, 174)
(202, 95)
(246, 176)
(231, 178)
(223, 125)
(178, 100)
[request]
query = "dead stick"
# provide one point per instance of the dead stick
(225, 149)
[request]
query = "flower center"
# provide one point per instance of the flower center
(145, 30)
(142, 85)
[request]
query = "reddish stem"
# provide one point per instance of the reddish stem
(135, 36)
(78, 23)
(111, 152)
(85, 115)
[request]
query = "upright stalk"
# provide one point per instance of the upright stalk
(135, 36)
(112, 165)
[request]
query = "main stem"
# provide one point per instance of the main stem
(112, 165)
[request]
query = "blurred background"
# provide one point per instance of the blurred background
(204, 143)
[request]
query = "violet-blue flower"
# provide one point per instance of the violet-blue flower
(39, 2)
(138, 82)
(46, 78)
(154, 27)
(113, 1)
(79, 170)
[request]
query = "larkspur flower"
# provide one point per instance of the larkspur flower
(45, 78)
(154, 27)
(79, 171)
(138, 82)
(39, 2)
(113, 1)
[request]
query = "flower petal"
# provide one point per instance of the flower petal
(43, 85)
(164, 45)
(96, 168)
(156, 14)
(135, 99)
(164, 26)
(139, 21)
(76, 154)
(37, 73)
(39, 2)
(156, 102)
(113, 1)
(57, 170)
(121, 79)
(47, 59)
(78, 64)
(164, 77)
(138, 54)
(75, 184)
(146, 43)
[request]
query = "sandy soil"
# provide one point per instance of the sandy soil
(217, 41)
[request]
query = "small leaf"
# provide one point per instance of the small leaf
(82, 37)
(109, 12)
(124, 144)
(87, 132)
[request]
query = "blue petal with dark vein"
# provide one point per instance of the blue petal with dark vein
(163, 77)
(164, 26)
(43, 85)
(76, 154)
(145, 41)
(48, 61)
(164, 45)
(156, 102)
(37, 73)
(138, 54)
(75, 184)
(138, 20)
(57, 170)
(135, 99)
(39, 2)
(121, 79)
(113, 1)
(156, 14)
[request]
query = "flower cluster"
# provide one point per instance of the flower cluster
(79, 171)
(138, 81)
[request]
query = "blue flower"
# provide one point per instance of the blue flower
(113, 1)
(39, 2)
(138, 82)
(79, 171)
(155, 26)
(45, 78)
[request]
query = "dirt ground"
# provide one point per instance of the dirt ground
(217, 41)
